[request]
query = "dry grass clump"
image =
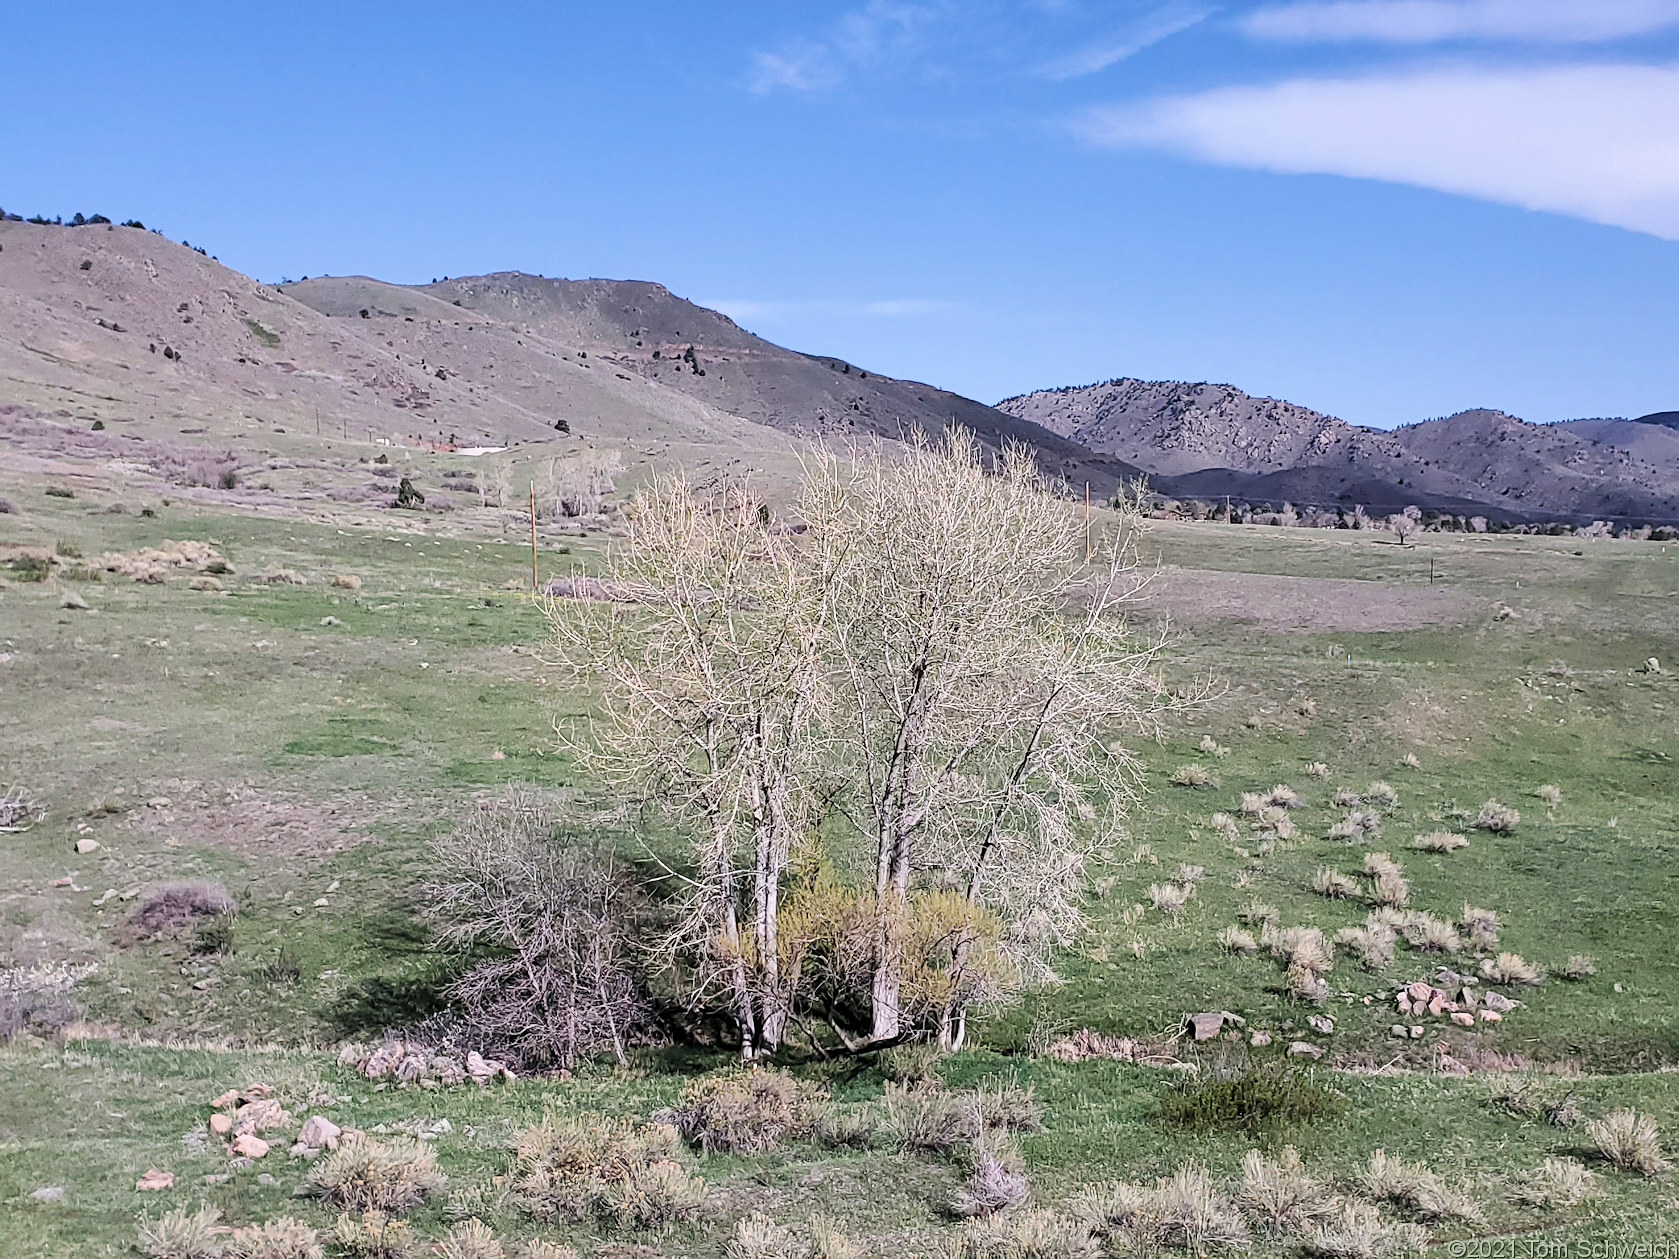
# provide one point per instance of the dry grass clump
(1440, 841)
(180, 1234)
(19, 810)
(1410, 761)
(919, 1118)
(1184, 1211)
(1552, 796)
(1333, 884)
(1036, 1234)
(175, 906)
(1191, 1214)
(759, 1237)
(282, 1238)
(588, 1166)
(1170, 899)
(923, 1118)
(1629, 1140)
(1283, 797)
(997, 1182)
(1559, 1182)
(1498, 818)
(1306, 957)
(543, 1249)
(1357, 824)
(1317, 769)
(1346, 798)
(1379, 863)
(1413, 1185)
(1279, 1196)
(1276, 819)
(1226, 826)
(1381, 794)
(1258, 913)
(747, 1114)
(1238, 941)
(470, 1239)
(1480, 925)
(1212, 747)
(1579, 966)
(1196, 776)
(1511, 970)
(374, 1236)
(1430, 934)
(1254, 803)
(1390, 888)
(1358, 1231)
(1372, 944)
(389, 1176)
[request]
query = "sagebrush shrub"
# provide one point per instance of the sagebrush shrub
(375, 1235)
(1279, 1196)
(470, 1239)
(182, 1234)
(748, 1113)
(1032, 1234)
(389, 1176)
(282, 1238)
(582, 1167)
(997, 1182)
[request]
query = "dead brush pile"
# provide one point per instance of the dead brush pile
(747, 1113)
(588, 1167)
(175, 907)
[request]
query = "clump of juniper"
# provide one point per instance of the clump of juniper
(407, 496)
(1260, 1098)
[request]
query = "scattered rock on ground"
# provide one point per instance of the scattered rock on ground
(155, 1180)
(245, 1145)
(49, 1193)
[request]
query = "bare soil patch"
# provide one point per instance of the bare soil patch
(254, 822)
(1281, 605)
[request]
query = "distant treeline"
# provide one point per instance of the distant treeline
(94, 220)
(1410, 521)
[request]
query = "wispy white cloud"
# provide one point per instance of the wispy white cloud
(743, 310)
(1599, 142)
(858, 39)
(1127, 41)
(1432, 21)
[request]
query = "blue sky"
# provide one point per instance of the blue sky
(1384, 209)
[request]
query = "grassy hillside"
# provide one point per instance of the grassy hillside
(300, 743)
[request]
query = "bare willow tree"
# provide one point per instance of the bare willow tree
(918, 697)
(981, 668)
(546, 926)
(706, 661)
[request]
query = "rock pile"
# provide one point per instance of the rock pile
(411, 1064)
(1452, 996)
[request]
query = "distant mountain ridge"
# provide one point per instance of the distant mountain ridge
(1214, 439)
